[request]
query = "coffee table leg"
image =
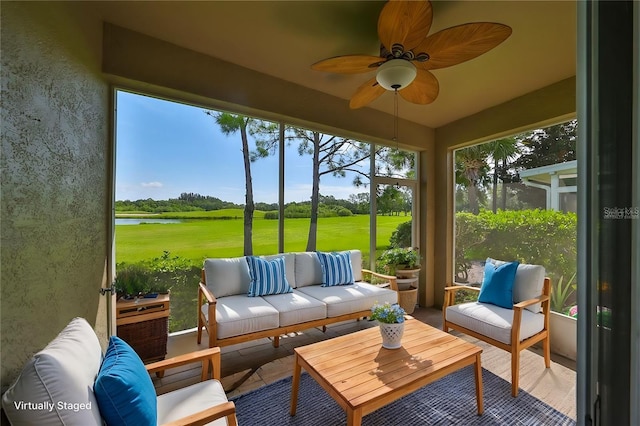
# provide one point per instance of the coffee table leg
(479, 399)
(295, 385)
(354, 417)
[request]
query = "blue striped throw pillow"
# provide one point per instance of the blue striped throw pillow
(336, 269)
(267, 277)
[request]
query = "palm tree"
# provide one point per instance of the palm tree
(471, 169)
(501, 150)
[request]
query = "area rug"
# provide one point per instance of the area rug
(448, 401)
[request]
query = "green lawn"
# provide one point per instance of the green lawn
(198, 239)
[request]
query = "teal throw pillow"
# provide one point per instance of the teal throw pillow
(267, 277)
(123, 388)
(497, 285)
(336, 269)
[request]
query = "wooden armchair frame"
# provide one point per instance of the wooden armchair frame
(516, 344)
(210, 359)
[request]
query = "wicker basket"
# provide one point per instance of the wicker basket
(407, 299)
(147, 338)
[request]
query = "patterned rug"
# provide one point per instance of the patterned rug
(448, 401)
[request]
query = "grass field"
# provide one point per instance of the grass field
(198, 239)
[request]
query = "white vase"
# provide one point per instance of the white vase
(391, 335)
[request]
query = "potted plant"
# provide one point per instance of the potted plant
(132, 281)
(403, 259)
(391, 320)
(404, 263)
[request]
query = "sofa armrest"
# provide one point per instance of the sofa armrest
(227, 409)
(450, 294)
(208, 357)
(393, 281)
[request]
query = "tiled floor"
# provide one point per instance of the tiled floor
(254, 364)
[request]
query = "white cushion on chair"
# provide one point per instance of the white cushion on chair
(64, 371)
(297, 307)
(241, 314)
(190, 400)
(527, 284)
(493, 321)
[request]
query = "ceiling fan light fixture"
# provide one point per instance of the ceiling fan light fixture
(396, 74)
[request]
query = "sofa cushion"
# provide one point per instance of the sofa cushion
(527, 284)
(493, 321)
(346, 299)
(497, 284)
(227, 276)
(123, 389)
(63, 372)
(297, 307)
(267, 276)
(183, 402)
(289, 263)
(237, 315)
(307, 270)
(336, 268)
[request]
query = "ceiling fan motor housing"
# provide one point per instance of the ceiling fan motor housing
(396, 74)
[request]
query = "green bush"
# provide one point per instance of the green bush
(271, 215)
(401, 237)
(543, 237)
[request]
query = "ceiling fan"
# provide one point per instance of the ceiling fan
(407, 53)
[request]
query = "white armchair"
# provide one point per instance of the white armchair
(515, 329)
(58, 386)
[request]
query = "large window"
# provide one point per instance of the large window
(515, 199)
(193, 183)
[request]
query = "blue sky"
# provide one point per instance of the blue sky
(166, 148)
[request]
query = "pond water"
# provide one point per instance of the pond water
(130, 221)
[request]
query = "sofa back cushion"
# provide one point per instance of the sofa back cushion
(227, 276)
(309, 272)
(527, 284)
(62, 373)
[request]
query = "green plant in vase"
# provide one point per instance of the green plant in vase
(399, 258)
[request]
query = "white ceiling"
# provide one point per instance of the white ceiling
(283, 38)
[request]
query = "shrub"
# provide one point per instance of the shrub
(271, 215)
(401, 237)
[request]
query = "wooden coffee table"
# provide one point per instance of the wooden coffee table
(362, 376)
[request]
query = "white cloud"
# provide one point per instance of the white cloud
(152, 184)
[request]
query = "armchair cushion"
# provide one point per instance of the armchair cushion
(183, 402)
(63, 371)
(497, 285)
(493, 321)
(336, 269)
(527, 283)
(123, 388)
(267, 276)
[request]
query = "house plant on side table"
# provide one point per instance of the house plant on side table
(391, 320)
(404, 263)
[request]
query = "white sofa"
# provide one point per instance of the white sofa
(59, 386)
(230, 316)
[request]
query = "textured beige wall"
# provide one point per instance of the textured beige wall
(55, 176)
(543, 107)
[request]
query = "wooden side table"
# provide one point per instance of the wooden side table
(144, 324)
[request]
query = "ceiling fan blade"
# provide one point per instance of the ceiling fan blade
(366, 93)
(423, 90)
(404, 22)
(460, 43)
(349, 64)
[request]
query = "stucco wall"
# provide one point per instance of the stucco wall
(55, 176)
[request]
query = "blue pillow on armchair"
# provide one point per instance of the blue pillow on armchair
(497, 285)
(123, 388)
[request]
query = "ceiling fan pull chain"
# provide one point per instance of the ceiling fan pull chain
(395, 117)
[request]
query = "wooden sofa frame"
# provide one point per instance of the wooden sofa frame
(516, 345)
(205, 296)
